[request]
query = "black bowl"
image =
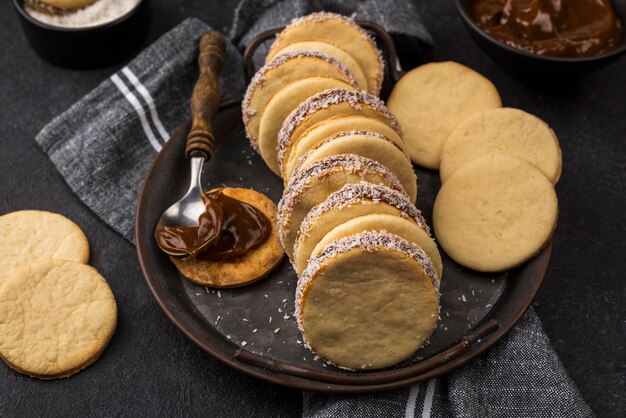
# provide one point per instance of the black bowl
(539, 66)
(88, 47)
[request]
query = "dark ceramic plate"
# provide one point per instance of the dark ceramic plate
(252, 328)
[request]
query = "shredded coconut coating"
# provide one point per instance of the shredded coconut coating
(261, 76)
(320, 16)
(302, 159)
(353, 193)
(323, 100)
(370, 241)
(320, 169)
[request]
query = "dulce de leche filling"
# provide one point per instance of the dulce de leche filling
(564, 28)
(228, 229)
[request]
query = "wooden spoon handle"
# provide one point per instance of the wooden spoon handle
(205, 99)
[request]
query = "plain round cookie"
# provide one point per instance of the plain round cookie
(56, 318)
(494, 213)
(368, 301)
(340, 31)
(279, 72)
(29, 235)
(431, 100)
(502, 131)
(254, 265)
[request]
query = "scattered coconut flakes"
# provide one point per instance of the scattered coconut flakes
(255, 330)
(463, 299)
(244, 343)
(276, 330)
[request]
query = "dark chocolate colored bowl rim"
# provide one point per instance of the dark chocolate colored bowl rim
(462, 8)
(492, 329)
(19, 6)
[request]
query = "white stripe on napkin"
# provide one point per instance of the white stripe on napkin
(148, 98)
(428, 400)
(132, 99)
(409, 412)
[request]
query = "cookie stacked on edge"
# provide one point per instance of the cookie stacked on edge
(369, 271)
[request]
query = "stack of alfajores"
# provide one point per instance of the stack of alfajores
(369, 271)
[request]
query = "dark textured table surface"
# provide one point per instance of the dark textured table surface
(151, 369)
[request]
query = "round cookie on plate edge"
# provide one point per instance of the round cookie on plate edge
(367, 301)
(279, 72)
(494, 213)
(431, 100)
(502, 131)
(340, 31)
(351, 201)
(314, 183)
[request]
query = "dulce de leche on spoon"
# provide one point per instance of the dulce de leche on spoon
(212, 226)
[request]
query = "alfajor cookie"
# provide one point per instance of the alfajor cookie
(326, 105)
(369, 145)
(281, 105)
(68, 4)
(254, 265)
(58, 7)
(402, 227)
(430, 102)
(279, 72)
(330, 127)
(340, 31)
(368, 301)
(333, 51)
(502, 131)
(29, 235)
(313, 184)
(351, 201)
(494, 213)
(56, 318)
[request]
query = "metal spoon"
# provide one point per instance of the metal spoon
(205, 101)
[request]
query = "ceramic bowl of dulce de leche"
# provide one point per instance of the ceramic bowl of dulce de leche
(84, 33)
(547, 39)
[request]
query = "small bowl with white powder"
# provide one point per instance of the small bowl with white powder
(84, 33)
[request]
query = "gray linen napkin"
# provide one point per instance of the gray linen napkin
(104, 144)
